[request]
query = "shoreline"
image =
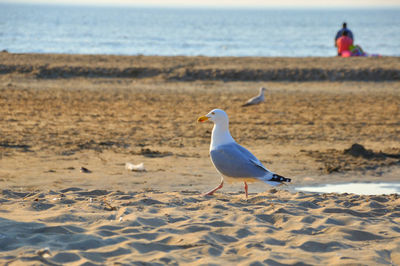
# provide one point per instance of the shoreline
(200, 68)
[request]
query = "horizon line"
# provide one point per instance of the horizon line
(237, 6)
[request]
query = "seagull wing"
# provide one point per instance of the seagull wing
(235, 161)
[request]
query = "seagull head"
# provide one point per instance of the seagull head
(216, 116)
(262, 89)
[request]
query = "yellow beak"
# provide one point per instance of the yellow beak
(202, 119)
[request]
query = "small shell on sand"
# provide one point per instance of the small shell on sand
(135, 167)
(44, 253)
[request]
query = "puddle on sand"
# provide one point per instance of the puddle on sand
(355, 188)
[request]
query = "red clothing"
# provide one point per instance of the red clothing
(343, 44)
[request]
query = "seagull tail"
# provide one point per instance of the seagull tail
(277, 180)
(246, 104)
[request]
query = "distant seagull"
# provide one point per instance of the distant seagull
(257, 99)
(233, 161)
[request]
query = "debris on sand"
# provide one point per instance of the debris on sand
(85, 170)
(358, 150)
(355, 158)
(153, 153)
(44, 253)
(135, 167)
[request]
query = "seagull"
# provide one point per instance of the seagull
(256, 99)
(233, 161)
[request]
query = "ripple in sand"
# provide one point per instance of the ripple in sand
(356, 188)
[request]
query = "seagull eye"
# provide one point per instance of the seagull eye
(213, 113)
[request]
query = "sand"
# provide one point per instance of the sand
(63, 112)
(101, 226)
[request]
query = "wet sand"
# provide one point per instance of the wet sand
(63, 112)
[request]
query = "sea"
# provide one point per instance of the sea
(194, 31)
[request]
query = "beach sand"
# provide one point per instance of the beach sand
(63, 112)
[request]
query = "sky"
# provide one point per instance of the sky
(222, 3)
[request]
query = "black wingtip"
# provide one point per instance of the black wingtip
(280, 179)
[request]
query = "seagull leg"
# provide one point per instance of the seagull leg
(211, 192)
(246, 189)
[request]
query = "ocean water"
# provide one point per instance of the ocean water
(207, 32)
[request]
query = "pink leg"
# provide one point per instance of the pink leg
(245, 189)
(211, 192)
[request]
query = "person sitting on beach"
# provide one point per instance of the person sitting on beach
(344, 43)
(340, 33)
(356, 50)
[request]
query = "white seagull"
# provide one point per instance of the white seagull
(256, 99)
(232, 160)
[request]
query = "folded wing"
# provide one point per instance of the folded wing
(234, 160)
